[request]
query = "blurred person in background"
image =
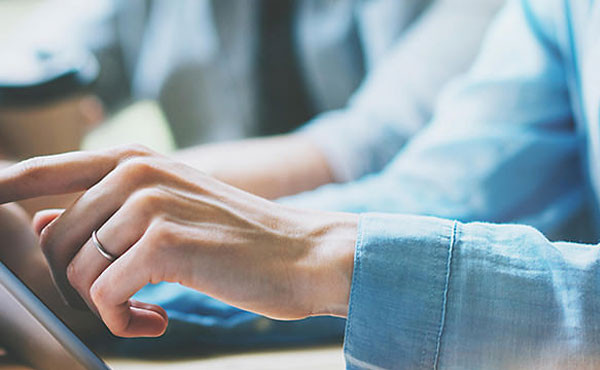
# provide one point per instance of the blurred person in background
(393, 103)
(226, 69)
(219, 70)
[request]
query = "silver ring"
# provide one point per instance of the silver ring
(101, 249)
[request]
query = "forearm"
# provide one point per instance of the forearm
(269, 167)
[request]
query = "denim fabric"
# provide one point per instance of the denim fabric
(405, 284)
(431, 293)
(508, 139)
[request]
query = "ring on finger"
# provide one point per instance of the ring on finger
(100, 248)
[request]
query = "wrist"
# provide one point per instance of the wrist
(328, 275)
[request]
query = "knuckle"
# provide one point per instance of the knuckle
(154, 234)
(44, 238)
(134, 150)
(117, 331)
(161, 235)
(156, 249)
(98, 294)
(73, 276)
(137, 169)
(45, 243)
(147, 199)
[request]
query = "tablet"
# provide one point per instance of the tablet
(31, 332)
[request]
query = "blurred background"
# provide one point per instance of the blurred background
(171, 74)
(174, 74)
(141, 122)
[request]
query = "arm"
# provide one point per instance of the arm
(425, 291)
(269, 167)
(146, 207)
(426, 253)
(431, 293)
(394, 102)
(502, 146)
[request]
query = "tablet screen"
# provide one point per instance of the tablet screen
(33, 333)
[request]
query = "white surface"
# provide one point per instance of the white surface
(314, 358)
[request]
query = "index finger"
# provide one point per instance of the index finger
(60, 173)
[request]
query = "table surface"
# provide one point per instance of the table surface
(329, 357)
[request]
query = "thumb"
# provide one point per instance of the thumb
(43, 218)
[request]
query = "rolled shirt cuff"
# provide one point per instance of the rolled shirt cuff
(399, 290)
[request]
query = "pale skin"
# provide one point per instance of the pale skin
(270, 167)
(168, 221)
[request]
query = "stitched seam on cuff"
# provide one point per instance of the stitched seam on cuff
(445, 299)
(355, 278)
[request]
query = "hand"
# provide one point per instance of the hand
(168, 222)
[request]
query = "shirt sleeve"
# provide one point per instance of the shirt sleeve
(501, 147)
(431, 293)
(397, 98)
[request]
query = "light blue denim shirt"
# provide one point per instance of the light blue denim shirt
(515, 140)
